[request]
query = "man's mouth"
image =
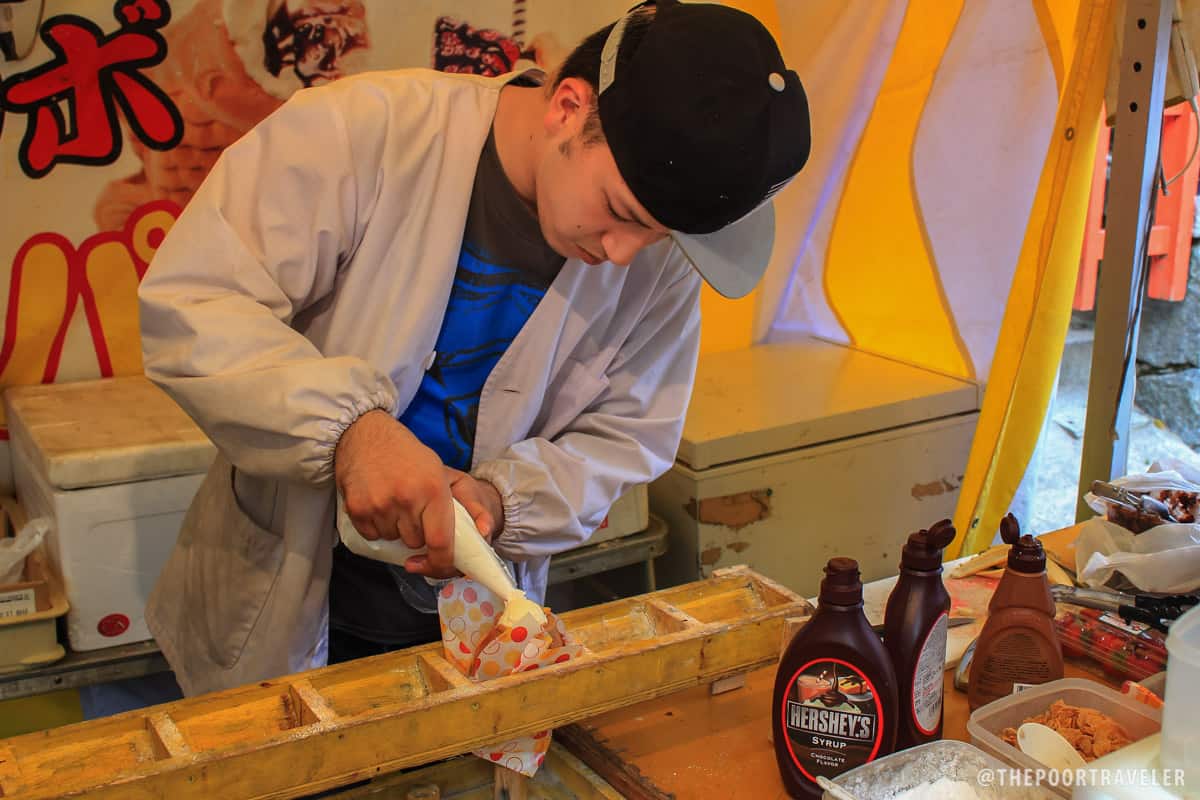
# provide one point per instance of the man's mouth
(588, 256)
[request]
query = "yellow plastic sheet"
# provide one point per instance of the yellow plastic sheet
(1039, 304)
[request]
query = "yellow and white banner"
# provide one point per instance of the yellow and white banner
(938, 221)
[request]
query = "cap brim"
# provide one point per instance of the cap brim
(733, 259)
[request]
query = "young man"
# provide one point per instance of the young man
(412, 286)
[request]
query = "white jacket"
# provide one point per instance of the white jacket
(304, 285)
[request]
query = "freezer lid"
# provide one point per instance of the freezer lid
(774, 398)
(95, 433)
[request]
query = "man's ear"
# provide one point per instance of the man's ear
(568, 107)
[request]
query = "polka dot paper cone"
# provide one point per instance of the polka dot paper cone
(482, 649)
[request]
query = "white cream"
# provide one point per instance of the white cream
(520, 609)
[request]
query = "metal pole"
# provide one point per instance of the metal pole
(1135, 158)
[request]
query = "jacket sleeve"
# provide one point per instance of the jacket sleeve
(555, 492)
(261, 240)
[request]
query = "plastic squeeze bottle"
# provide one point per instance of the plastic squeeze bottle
(915, 628)
(1018, 646)
(835, 692)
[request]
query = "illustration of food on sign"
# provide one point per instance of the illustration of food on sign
(229, 64)
(312, 36)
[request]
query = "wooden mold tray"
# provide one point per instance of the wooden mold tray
(316, 730)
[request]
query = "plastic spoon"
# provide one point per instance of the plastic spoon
(1044, 745)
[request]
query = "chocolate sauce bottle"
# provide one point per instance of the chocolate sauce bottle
(835, 692)
(1018, 644)
(915, 629)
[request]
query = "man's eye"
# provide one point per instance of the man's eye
(614, 213)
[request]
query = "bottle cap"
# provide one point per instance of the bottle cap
(923, 551)
(842, 585)
(1025, 554)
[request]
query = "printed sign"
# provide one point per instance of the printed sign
(17, 603)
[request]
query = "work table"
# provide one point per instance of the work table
(694, 744)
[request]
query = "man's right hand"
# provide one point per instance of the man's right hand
(394, 487)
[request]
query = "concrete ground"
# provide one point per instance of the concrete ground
(1047, 498)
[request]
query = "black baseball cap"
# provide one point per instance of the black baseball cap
(705, 124)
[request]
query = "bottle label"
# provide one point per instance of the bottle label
(832, 717)
(927, 684)
(1133, 626)
(1016, 656)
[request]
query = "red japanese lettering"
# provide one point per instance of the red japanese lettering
(92, 75)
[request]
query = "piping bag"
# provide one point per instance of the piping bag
(473, 557)
(489, 627)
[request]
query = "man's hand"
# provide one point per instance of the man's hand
(481, 500)
(395, 487)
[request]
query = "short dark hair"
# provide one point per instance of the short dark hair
(584, 63)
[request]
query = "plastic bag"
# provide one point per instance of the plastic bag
(1164, 558)
(14, 549)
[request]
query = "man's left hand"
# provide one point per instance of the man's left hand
(481, 500)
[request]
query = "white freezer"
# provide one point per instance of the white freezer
(794, 453)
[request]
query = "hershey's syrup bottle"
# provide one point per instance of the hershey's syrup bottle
(915, 630)
(835, 692)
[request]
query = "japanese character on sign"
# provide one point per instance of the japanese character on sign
(91, 75)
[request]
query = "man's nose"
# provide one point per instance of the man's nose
(621, 246)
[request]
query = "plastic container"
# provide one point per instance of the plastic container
(1124, 650)
(30, 608)
(1143, 776)
(884, 778)
(987, 722)
(1181, 734)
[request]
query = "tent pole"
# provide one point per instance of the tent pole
(1135, 169)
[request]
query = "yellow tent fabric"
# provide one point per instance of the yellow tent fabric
(943, 225)
(1039, 304)
(877, 285)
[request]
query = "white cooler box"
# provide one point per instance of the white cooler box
(794, 453)
(114, 463)
(630, 514)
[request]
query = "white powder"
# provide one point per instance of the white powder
(941, 789)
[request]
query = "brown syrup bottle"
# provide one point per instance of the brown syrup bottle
(1018, 644)
(915, 630)
(835, 704)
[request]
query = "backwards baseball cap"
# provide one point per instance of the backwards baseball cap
(705, 124)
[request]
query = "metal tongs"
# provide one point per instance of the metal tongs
(1157, 611)
(1139, 503)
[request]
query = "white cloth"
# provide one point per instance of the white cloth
(304, 285)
